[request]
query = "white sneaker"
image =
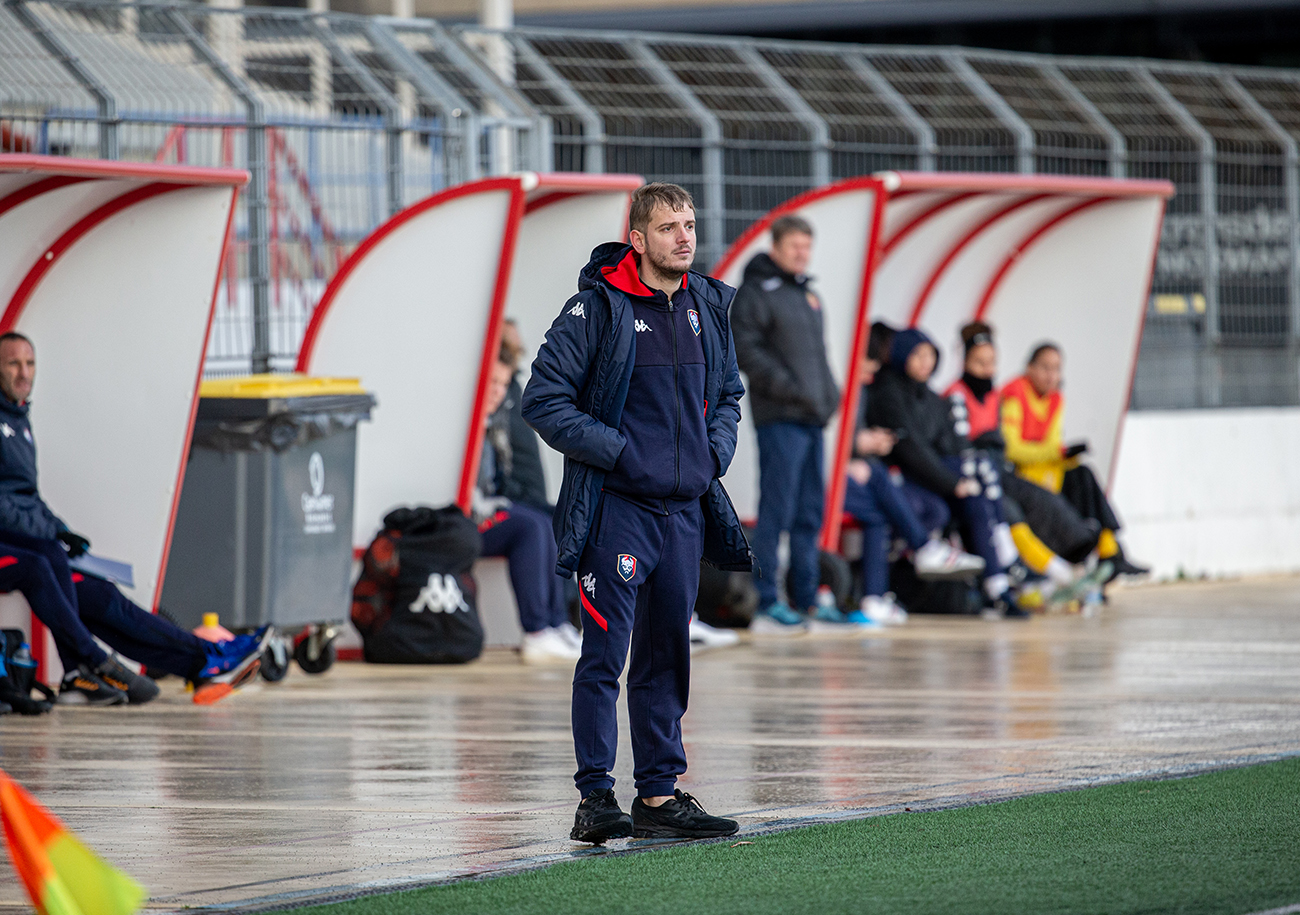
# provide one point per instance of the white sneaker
(705, 636)
(571, 634)
(939, 559)
(883, 610)
(546, 647)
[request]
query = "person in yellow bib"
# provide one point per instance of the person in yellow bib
(1033, 409)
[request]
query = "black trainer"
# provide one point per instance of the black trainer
(84, 687)
(682, 817)
(600, 818)
(138, 689)
(1006, 607)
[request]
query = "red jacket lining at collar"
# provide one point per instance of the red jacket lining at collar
(625, 276)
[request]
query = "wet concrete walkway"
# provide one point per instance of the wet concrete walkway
(371, 776)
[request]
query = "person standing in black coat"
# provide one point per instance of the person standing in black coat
(780, 346)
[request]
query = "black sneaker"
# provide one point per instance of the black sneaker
(600, 818)
(1006, 608)
(138, 689)
(1122, 566)
(679, 818)
(84, 687)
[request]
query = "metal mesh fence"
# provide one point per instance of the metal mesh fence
(344, 119)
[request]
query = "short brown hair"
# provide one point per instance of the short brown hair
(784, 225)
(649, 196)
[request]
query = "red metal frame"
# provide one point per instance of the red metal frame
(1050, 184)
(69, 238)
(919, 220)
(974, 232)
(1137, 348)
(833, 512)
(194, 403)
(764, 223)
(1017, 251)
(36, 189)
(141, 171)
(491, 345)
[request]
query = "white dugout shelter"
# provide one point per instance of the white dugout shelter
(1039, 257)
(416, 313)
(110, 268)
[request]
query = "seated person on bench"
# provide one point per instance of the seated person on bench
(35, 546)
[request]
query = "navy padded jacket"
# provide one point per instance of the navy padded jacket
(579, 384)
(22, 510)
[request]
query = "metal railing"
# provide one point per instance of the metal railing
(343, 119)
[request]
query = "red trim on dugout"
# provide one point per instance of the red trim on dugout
(373, 239)
(1018, 250)
(140, 171)
(194, 405)
(920, 219)
(35, 189)
(1137, 349)
(762, 225)
(961, 244)
(69, 238)
(833, 512)
(491, 343)
(541, 202)
(1051, 184)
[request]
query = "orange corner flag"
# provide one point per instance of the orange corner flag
(62, 876)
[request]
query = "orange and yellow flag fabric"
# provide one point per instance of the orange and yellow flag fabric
(62, 876)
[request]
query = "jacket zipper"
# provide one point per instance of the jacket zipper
(677, 399)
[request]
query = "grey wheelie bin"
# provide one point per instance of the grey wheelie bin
(263, 534)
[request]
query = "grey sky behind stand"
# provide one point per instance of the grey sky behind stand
(343, 120)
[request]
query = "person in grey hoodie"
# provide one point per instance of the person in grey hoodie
(776, 319)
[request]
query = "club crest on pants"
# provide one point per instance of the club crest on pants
(626, 566)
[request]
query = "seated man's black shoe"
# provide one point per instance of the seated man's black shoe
(1006, 608)
(679, 818)
(83, 686)
(600, 818)
(139, 689)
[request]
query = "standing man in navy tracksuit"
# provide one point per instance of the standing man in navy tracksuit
(637, 386)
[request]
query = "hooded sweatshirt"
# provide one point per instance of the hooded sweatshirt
(921, 418)
(781, 347)
(22, 510)
(666, 463)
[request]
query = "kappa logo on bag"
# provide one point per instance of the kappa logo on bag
(441, 595)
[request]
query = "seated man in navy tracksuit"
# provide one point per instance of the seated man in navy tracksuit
(637, 386)
(35, 546)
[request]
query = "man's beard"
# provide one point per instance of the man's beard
(665, 270)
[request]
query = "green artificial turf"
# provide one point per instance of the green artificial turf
(1224, 842)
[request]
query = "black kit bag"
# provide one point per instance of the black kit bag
(416, 600)
(18, 676)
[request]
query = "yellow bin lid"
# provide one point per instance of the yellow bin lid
(269, 386)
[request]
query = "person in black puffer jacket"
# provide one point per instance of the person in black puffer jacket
(940, 470)
(780, 345)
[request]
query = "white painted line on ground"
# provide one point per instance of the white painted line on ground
(1285, 910)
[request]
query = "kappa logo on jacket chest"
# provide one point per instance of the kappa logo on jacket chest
(626, 566)
(641, 327)
(6, 430)
(579, 311)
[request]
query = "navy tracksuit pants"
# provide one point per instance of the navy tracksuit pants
(77, 609)
(638, 578)
(880, 507)
(790, 497)
(524, 536)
